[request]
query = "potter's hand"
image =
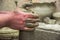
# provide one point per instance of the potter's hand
(31, 23)
(23, 21)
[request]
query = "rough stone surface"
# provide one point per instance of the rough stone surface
(48, 32)
(7, 5)
(46, 35)
(41, 34)
(27, 35)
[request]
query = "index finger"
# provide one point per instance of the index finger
(35, 16)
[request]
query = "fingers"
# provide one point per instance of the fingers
(29, 20)
(35, 16)
(28, 29)
(32, 22)
(31, 25)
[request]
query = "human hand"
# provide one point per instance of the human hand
(22, 21)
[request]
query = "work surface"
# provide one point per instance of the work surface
(47, 32)
(42, 32)
(51, 27)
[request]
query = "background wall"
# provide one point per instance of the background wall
(10, 4)
(58, 5)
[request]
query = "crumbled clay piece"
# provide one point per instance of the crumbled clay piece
(49, 21)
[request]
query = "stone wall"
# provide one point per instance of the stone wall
(58, 5)
(10, 4)
(7, 5)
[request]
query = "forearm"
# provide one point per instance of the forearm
(5, 16)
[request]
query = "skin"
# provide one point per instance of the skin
(6, 16)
